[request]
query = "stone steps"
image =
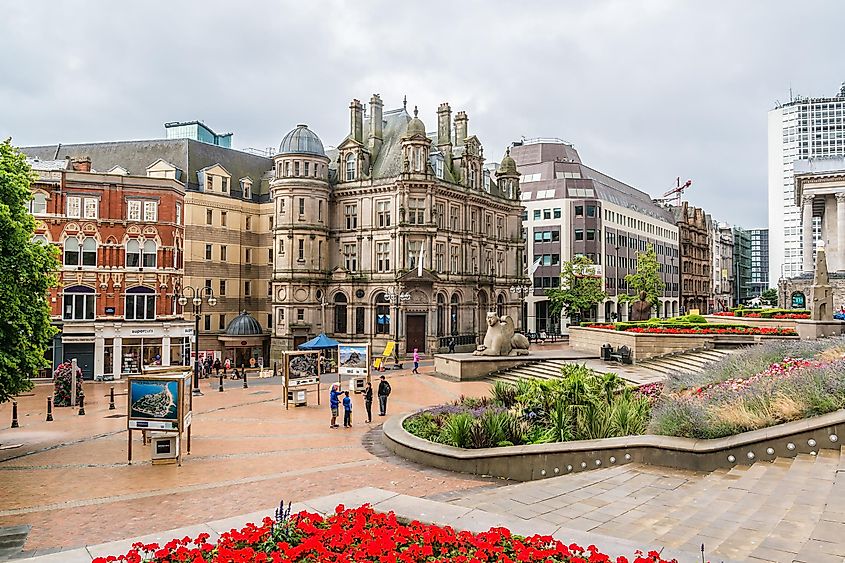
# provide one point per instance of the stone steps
(788, 509)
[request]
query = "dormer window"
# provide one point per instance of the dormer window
(225, 185)
(350, 167)
(246, 188)
(438, 168)
(209, 183)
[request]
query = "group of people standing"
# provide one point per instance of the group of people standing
(338, 397)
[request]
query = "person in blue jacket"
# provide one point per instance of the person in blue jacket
(334, 402)
(347, 410)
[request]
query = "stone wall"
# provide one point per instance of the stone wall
(786, 287)
(642, 345)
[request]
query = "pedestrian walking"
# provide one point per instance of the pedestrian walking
(347, 410)
(217, 366)
(227, 365)
(452, 343)
(383, 393)
(334, 403)
(416, 361)
(368, 401)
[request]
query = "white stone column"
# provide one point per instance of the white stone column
(165, 351)
(839, 263)
(807, 233)
(117, 355)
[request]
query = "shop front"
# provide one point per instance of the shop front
(113, 350)
(245, 342)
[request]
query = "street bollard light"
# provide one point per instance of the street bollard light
(245, 384)
(111, 399)
(49, 409)
(82, 406)
(15, 415)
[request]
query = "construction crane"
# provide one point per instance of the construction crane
(676, 192)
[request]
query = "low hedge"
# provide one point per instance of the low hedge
(625, 325)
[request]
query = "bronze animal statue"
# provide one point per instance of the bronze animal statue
(501, 339)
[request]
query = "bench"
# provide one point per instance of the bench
(622, 354)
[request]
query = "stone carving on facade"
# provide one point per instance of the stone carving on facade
(501, 338)
(821, 293)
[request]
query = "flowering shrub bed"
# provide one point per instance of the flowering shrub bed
(756, 388)
(667, 327)
(363, 535)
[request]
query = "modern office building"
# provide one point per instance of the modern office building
(571, 210)
(197, 131)
(743, 291)
(759, 261)
(121, 239)
(801, 129)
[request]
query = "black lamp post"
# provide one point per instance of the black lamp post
(196, 297)
(521, 288)
(397, 299)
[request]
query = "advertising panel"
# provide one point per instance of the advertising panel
(353, 359)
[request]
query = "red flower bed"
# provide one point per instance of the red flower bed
(604, 326)
(362, 535)
(791, 316)
(704, 330)
(725, 314)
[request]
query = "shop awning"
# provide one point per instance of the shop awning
(321, 342)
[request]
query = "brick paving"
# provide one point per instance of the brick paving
(70, 480)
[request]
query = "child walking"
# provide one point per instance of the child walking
(347, 410)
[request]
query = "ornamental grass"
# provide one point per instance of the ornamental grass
(363, 535)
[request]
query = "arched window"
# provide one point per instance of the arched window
(382, 314)
(40, 239)
(500, 305)
(72, 251)
(133, 254)
(78, 303)
(441, 315)
(89, 252)
(38, 205)
(340, 316)
(350, 167)
(453, 314)
(140, 304)
(149, 254)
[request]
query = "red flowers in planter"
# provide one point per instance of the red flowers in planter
(710, 330)
(363, 535)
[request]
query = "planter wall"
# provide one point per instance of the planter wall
(527, 463)
(759, 323)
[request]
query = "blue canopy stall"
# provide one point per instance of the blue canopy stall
(323, 342)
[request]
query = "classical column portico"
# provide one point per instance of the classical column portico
(807, 234)
(840, 231)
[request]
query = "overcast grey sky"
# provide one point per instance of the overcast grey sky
(646, 90)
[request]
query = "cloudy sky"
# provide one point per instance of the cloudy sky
(646, 90)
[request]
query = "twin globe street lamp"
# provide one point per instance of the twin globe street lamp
(521, 288)
(196, 297)
(397, 299)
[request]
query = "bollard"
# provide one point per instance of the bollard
(81, 406)
(15, 415)
(245, 385)
(220, 387)
(111, 399)
(49, 409)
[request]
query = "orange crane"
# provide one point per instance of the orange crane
(676, 192)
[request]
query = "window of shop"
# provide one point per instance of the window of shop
(140, 304)
(139, 352)
(382, 314)
(108, 355)
(78, 303)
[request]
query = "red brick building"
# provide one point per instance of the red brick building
(121, 239)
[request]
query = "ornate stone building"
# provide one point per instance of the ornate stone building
(395, 234)
(696, 257)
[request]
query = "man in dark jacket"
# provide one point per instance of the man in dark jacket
(368, 401)
(383, 394)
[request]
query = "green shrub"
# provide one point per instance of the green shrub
(457, 431)
(504, 394)
(423, 426)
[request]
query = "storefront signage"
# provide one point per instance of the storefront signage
(140, 331)
(77, 339)
(188, 331)
(110, 310)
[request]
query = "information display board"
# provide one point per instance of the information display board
(301, 369)
(160, 400)
(354, 359)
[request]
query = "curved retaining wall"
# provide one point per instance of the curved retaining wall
(526, 463)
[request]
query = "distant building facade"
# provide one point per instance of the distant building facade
(197, 131)
(804, 128)
(571, 210)
(759, 261)
(695, 257)
(721, 236)
(743, 291)
(121, 239)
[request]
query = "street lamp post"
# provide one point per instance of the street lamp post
(196, 297)
(521, 288)
(397, 299)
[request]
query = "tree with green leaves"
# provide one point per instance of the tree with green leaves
(647, 278)
(27, 272)
(580, 289)
(770, 297)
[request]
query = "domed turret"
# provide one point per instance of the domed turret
(415, 126)
(302, 140)
(508, 165)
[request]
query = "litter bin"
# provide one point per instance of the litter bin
(299, 397)
(606, 350)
